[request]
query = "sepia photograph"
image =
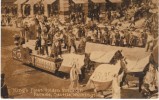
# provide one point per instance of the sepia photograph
(92, 49)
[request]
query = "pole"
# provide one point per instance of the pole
(31, 10)
(19, 10)
(46, 10)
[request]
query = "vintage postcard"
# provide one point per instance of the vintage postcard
(79, 49)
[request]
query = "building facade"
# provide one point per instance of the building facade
(66, 8)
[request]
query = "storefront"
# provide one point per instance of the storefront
(115, 4)
(36, 7)
(64, 10)
(51, 7)
(138, 2)
(20, 4)
(96, 8)
(78, 10)
(27, 10)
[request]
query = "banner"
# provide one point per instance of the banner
(44, 64)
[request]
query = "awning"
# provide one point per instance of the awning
(19, 1)
(115, 1)
(80, 1)
(32, 2)
(99, 1)
(49, 1)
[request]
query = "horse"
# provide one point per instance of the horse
(103, 76)
(94, 60)
(150, 85)
(117, 56)
(140, 74)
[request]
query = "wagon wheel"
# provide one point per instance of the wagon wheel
(19, 55)
(29, 60)
(14, 53)
(144, 13)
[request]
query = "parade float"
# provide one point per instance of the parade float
(28, 55)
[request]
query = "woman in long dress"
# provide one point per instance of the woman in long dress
(74, 76)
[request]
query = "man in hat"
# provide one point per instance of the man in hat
(144, 38)
(127, 37)
(71, 41)
(44, 38)
(149, 82)
(131, 39)
(122, 39)
(132, 22)
(149, 42)
(82, 45)
(55, 49)
(106, 35)
(123, 70)
(112, 36)
(117, 38)
(17, 40)
(27, 32)
(65, 39)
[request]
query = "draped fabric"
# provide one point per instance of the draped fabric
(115, 1)
(48, 1)
(19, 1)
(98, 1)
(32, 2)
(80, 1)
